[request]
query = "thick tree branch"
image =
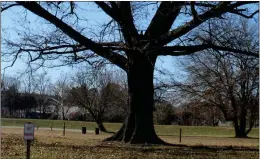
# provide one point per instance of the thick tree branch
(202, 4)
(61, 49)
(193, 10)
(178, 32)
(240, 3)
(114, 58)
(243, 15)
(187, 50)
(217, 11)
(108, 10)
(123, 16)
(163, 18)
(9, 6)
(127, 17)
(113, 4)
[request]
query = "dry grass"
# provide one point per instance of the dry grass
(51, 144)
(160, 129)
(213, 141)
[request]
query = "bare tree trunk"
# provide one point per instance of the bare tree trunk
(240, 133)
(139, 126)
(101, 126)
(240, 130)
(10, 110)
(63, 114)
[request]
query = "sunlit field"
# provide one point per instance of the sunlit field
(163, 130)
(197, 142)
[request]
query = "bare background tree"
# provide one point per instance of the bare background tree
(98, 95)
(42, 87)
(61, 90)
(227, 81)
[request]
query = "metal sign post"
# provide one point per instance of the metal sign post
(28, 147)
(180, 135)
(64, 129)
(28, 136)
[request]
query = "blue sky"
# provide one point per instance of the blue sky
(94, 17)
(9, 17)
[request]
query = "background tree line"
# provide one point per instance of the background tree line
(88, 95)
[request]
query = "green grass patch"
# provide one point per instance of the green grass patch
(200, 131)
(162, 130)
(58, 123)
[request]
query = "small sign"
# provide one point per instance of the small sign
(28, 131)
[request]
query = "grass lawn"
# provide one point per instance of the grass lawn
(58, 123)
(162, 130)
(51, 144)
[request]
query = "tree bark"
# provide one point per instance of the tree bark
(139, 127)
(240, 130)
(240, 122)
(101, 127)
(240, 133)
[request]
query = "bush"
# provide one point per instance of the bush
(164, 114)
(79, 116)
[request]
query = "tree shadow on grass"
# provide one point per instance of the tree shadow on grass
(151, 147)
(243, 138)
(252, 138)
(170, 146)
(110, 132)
(165, 135)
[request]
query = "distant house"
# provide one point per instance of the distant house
(68, 111)
(225, 123)
(38, 115)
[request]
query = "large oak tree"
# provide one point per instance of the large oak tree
(135, 51)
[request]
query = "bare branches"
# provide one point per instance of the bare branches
(106, 53)
(216, 11)
(111, 12)
(187, 50)
(121, 14)
(244, 15)
(43, 48)
(72, 41)
(202, 4)
(68, 49)
(5, 7)
(178, 32)
(128, 21)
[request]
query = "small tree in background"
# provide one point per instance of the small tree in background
(164, 113)
(61, 101)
